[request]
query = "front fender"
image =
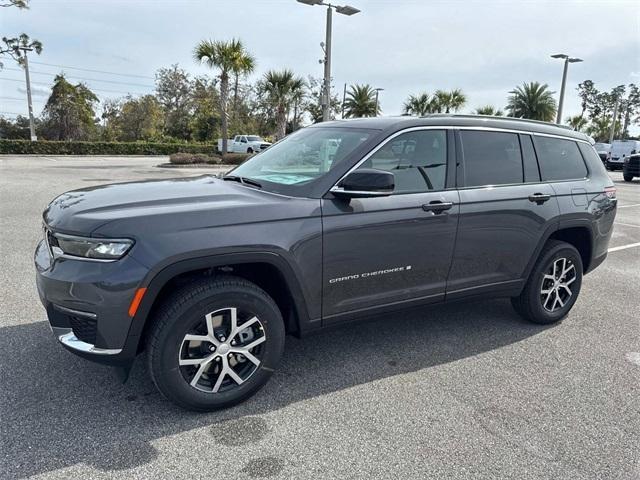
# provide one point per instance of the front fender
(160, 275)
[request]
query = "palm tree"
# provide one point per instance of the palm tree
(577, 122)
(446, 102)
(489, 110)
(419, 105)
(361, 102)
(281, 89)
(226, 57)
(533, 101)
(244, 64)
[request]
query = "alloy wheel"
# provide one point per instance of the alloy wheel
(222, 350)
(556, 290)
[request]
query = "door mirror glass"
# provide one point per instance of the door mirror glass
(365, 182)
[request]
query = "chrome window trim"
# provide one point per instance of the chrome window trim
(336, 189)
(449, 127)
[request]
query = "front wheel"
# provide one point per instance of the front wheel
(215, 343)
(249, 150)
(553, 285)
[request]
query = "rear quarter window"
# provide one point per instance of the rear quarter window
(559, 159)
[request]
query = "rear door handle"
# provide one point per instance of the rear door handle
(437, 206)
(539, 198)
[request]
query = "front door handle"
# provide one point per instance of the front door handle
(539, 198)
(437, 206)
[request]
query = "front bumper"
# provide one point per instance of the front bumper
(87, 304)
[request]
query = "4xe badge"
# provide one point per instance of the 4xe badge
(357, 276)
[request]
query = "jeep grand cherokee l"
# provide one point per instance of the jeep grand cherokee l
(337, 221)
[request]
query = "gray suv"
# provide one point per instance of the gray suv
(338, 221)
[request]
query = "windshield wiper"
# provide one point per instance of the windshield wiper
(243, 180)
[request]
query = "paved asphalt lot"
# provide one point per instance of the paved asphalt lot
(460, 391)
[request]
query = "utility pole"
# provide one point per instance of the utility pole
(613, 123)
(326, 107)
(32, 125)
(344, 99)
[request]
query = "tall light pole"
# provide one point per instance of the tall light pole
(378, 90)
(567, 61)
(32, 125)
(344, 10)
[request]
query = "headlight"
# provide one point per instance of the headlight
(92, 248)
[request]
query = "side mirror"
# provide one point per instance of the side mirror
(365, 182)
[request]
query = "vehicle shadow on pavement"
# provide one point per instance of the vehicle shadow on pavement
(57, 410)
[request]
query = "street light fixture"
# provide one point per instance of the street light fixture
(344, 10)
(378, 90)
(567, 61)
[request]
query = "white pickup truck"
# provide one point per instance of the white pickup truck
(244, 144)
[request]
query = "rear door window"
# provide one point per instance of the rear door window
(559, 159)
(491, 158)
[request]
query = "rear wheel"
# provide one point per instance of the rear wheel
(627, 178)
(215, 343)
(553, 285)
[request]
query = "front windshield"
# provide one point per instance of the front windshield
(302, 156)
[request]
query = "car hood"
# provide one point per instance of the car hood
(131, 209)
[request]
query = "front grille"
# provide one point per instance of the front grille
(263, 146)
(634, 162)
(84, 328)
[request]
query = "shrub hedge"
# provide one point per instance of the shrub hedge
(235, 158)
(45, 147)
(191, 158)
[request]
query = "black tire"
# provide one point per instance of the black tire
(177, 317)
(249, 150)
(529, 304)
(627, 178)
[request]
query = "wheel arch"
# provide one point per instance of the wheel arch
(577, 232)
(268, 270)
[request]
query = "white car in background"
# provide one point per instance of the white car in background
(244, 144)
(604, 151)
(621, 149)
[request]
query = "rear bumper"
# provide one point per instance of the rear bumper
(87, 304)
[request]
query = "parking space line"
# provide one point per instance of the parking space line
(627, 224)
(629, 206)
(623, 247)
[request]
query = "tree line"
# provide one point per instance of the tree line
(188, 108)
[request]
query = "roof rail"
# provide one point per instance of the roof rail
(492, 117)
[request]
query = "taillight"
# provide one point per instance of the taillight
(610, 192)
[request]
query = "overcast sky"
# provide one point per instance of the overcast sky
(485, 48)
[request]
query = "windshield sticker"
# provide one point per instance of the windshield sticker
(375, 273)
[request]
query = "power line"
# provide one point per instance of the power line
(92, 89)
(86, 79)
(94, 71)
(13, 98)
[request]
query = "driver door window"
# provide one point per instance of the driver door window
(418, 160)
